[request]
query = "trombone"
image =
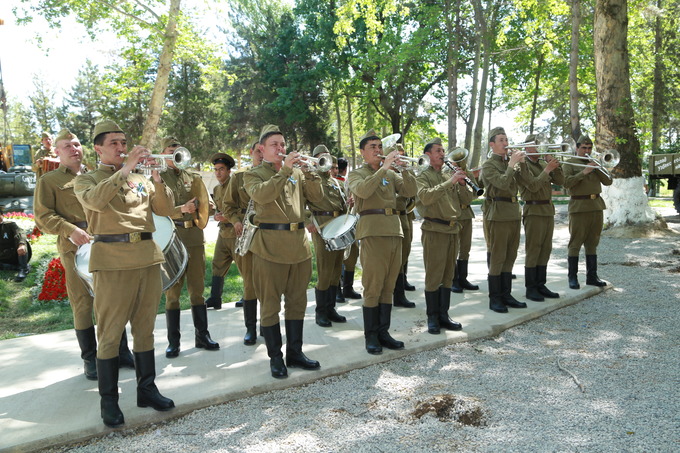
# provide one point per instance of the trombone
(604, 161)
(181, 157)
(323, 163)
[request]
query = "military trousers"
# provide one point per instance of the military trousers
(351, 262)
(504, 242)
(380, 263)
(82, 303)
(538, 237)
(585, 229)
(464, 240)
(438, 248)
(407, 228)
(194, 275)
(328, 264)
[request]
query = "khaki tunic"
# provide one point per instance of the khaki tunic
(183, 185)
(42, 153)
(535, 185)
(502, 217)
(234, 203)
(585, 216)
(282, 257)
(406, 219)
(381, 234)
(57, 210)
(127, 279)
(466, 196)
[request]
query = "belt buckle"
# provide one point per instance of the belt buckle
(452, 223)
(293, 227)
(336, 213)
(188, 224)
(514, 199)
(389, 211)
(135, 237)
(593, 196)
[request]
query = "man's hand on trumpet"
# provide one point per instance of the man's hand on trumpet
(390, 161)
(516, 157)
(291, 159)
(136, 155)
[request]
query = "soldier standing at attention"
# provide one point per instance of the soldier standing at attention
(281, 252)
(57, 211)
(125, 263)
(535, 180)
(187, 189)
(585, 213)
(440, 196)
(375, 187)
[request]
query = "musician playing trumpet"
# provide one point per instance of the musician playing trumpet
(440, 196)
(536, 177)
(328, 263)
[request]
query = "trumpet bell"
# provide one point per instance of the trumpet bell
(181, 157)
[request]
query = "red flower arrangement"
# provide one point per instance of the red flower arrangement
(54, 283)
(27, 223)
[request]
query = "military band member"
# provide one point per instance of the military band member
(406, 216)
(45, 152)
(328, 263)
(57, 211)
(187, 189)
(348, 264)
(585, 212)
(375, 187)
(503, 217)
(281, 252)
(125, 263)
(440, 196)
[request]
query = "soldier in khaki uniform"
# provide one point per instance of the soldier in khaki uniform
(187, 189)
(375, 187)
(57, 211)
(536, 178)
(440, 196)
(125, 263)
(585, 213)
(503, 217)
(281, 252)
(45, 152)
(328, 263)
(406, 216)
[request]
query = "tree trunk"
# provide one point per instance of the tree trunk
(573, 70)
(473, 97)
(537, 88)
(452, 70)
(658, 101)
(481, 110)
(615, 122)
(351, 131)
(162, 76)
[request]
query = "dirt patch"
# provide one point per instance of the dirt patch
(447, 407)
(658, 228)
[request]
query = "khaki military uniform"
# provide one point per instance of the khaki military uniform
(282, 257)
(406, 219)
(328, 263)
(465, 220)
(502, 213)
(58, 211)
(127, 277)
(42, 153)
(538, 214)
(585, 207)
(181, 182)
(379, 228)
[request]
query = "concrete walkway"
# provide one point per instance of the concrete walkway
(45, 399)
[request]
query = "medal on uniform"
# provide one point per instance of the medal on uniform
(292, 180)
(139, 189)
(384, 182)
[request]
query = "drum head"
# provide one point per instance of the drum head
(338, 226)
(164, 231)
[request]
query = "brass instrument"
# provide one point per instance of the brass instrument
(415, 164)
(323, 163)
(181, 157)
(243, 242)
(456, 156)
(604, 161)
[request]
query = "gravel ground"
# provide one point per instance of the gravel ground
(601, 375)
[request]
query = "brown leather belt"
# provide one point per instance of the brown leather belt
(127, 237)
(183, 223)
(442, 221)
(82, 225)
(508, 199)
(592, 196)
(282, 226)
(331, 213)
(537, 202)
(388, 211)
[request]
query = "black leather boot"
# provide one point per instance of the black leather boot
(172, 323)
(125, 359)
(216, 289)
(239, 303)
(432, 311)
(399, 297)
(371, 324)
(23, 268)
(462, 269)
(273, 341)
(541, 279)
(321, 310)
(88, 351)
(339, 298)
(295, 358)
(530, 282)
(495, 298)
(455, 284)
(333, 315)
(444, 305)
(407, 285)
(506, 290)
(384, 336)
(107, 373)
(250, 318)
(572, 274)
(348, 286)
(147, 392)
(200, 315)
(591, 272)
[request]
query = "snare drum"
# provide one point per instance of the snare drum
(176, 256)
(339, 232)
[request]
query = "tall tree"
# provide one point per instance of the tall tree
(44, 112)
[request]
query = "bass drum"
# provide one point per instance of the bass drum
(176, 256)
(338, 234)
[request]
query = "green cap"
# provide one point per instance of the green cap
(434, 141)
(269, 129)
(222, 158)
(104, 127)
(46, 134)
(169, 141)
(584, 140)
(370, 133)
(496, 131)
(65, 134)
(530, 138)
(320, 149)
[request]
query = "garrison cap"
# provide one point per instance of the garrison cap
(105, 126)
(269, 129)
(169, 141)
(46, 134)
(65, 134)
(584, 140)
(320, 149)
(435, 141)
(530, 138)
(370, 133)
(496, 131)
(222, 158)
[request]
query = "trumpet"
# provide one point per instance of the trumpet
(421, 163)
(604, 161)
(181, 157)
(456, 156)
(323, 163)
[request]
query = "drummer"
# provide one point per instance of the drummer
(328, 263)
